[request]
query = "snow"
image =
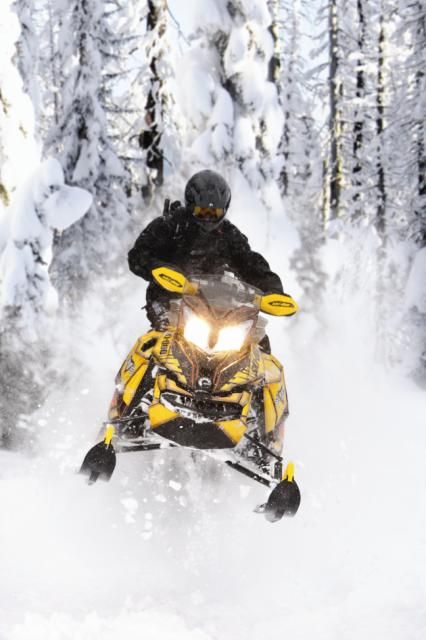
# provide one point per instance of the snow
(415, 293)
(164, 552)
(170, 548)
(41, 205)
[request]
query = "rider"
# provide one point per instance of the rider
(196, 238)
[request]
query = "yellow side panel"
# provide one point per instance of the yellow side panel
(279, 396)
(134, 382)
(234, 429)
(246, 403)
(136, 357)
(275, 403)
(159, 386)
(272, 368)
(159, 414)
(162, 348)
(270, 411)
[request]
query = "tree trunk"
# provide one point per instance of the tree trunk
(275, 61)
(381, 184)
(150, 138)
(420, 135)
(358, 129)
(335, 120)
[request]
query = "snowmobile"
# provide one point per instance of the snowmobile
(205, 383)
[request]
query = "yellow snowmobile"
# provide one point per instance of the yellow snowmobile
(205, 383)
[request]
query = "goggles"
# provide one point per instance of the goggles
(209, 212)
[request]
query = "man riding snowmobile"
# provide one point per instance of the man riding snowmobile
(203, 377)
(196, 238)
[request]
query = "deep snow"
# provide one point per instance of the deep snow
(171, 548)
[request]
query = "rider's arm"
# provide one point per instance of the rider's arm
(151, 248)
(249, 265)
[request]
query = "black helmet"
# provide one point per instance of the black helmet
(207, 196)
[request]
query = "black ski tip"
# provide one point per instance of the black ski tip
(283, 501)
(99, 463)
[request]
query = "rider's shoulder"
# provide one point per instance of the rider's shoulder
(232, 231)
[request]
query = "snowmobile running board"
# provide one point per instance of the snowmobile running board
(234, 465)
(250, 474)
(155, 446)
(144, 447)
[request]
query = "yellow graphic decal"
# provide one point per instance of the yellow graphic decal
(234, 429)
(134, 382)
(272, 368)
(270, 410)
(159, 414)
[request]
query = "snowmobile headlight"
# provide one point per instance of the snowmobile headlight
(232, 338)
(197, 331)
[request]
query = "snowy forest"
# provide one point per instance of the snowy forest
(315, 113)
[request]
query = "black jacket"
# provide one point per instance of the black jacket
(177, 239)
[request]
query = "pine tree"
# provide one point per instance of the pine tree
(236, 116)
(27, 51)
(89, 248)
(34, 202)
(19, 153)
(412, 180)
(335, 120)
(300, 148)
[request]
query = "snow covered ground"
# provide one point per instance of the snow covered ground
(171, 548)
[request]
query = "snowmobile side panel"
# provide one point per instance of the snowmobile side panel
(272, 367)
(275, 404)
(159, 415)
(134, 382)
(138, 355)
(167, 355)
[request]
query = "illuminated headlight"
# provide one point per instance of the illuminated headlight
(233, 337)
(230, 338)
(197, 331)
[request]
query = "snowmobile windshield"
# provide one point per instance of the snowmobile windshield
(225, 292)
(222, 315)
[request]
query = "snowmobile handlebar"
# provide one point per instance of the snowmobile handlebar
(174, 281)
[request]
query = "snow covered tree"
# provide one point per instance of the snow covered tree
(90, 247)
(27, 53)
(34, 202)
(335, 122)
(150, 139)
(19, 153)
(301, 179)
(234, 115)
(411, 179)
(40, 206)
